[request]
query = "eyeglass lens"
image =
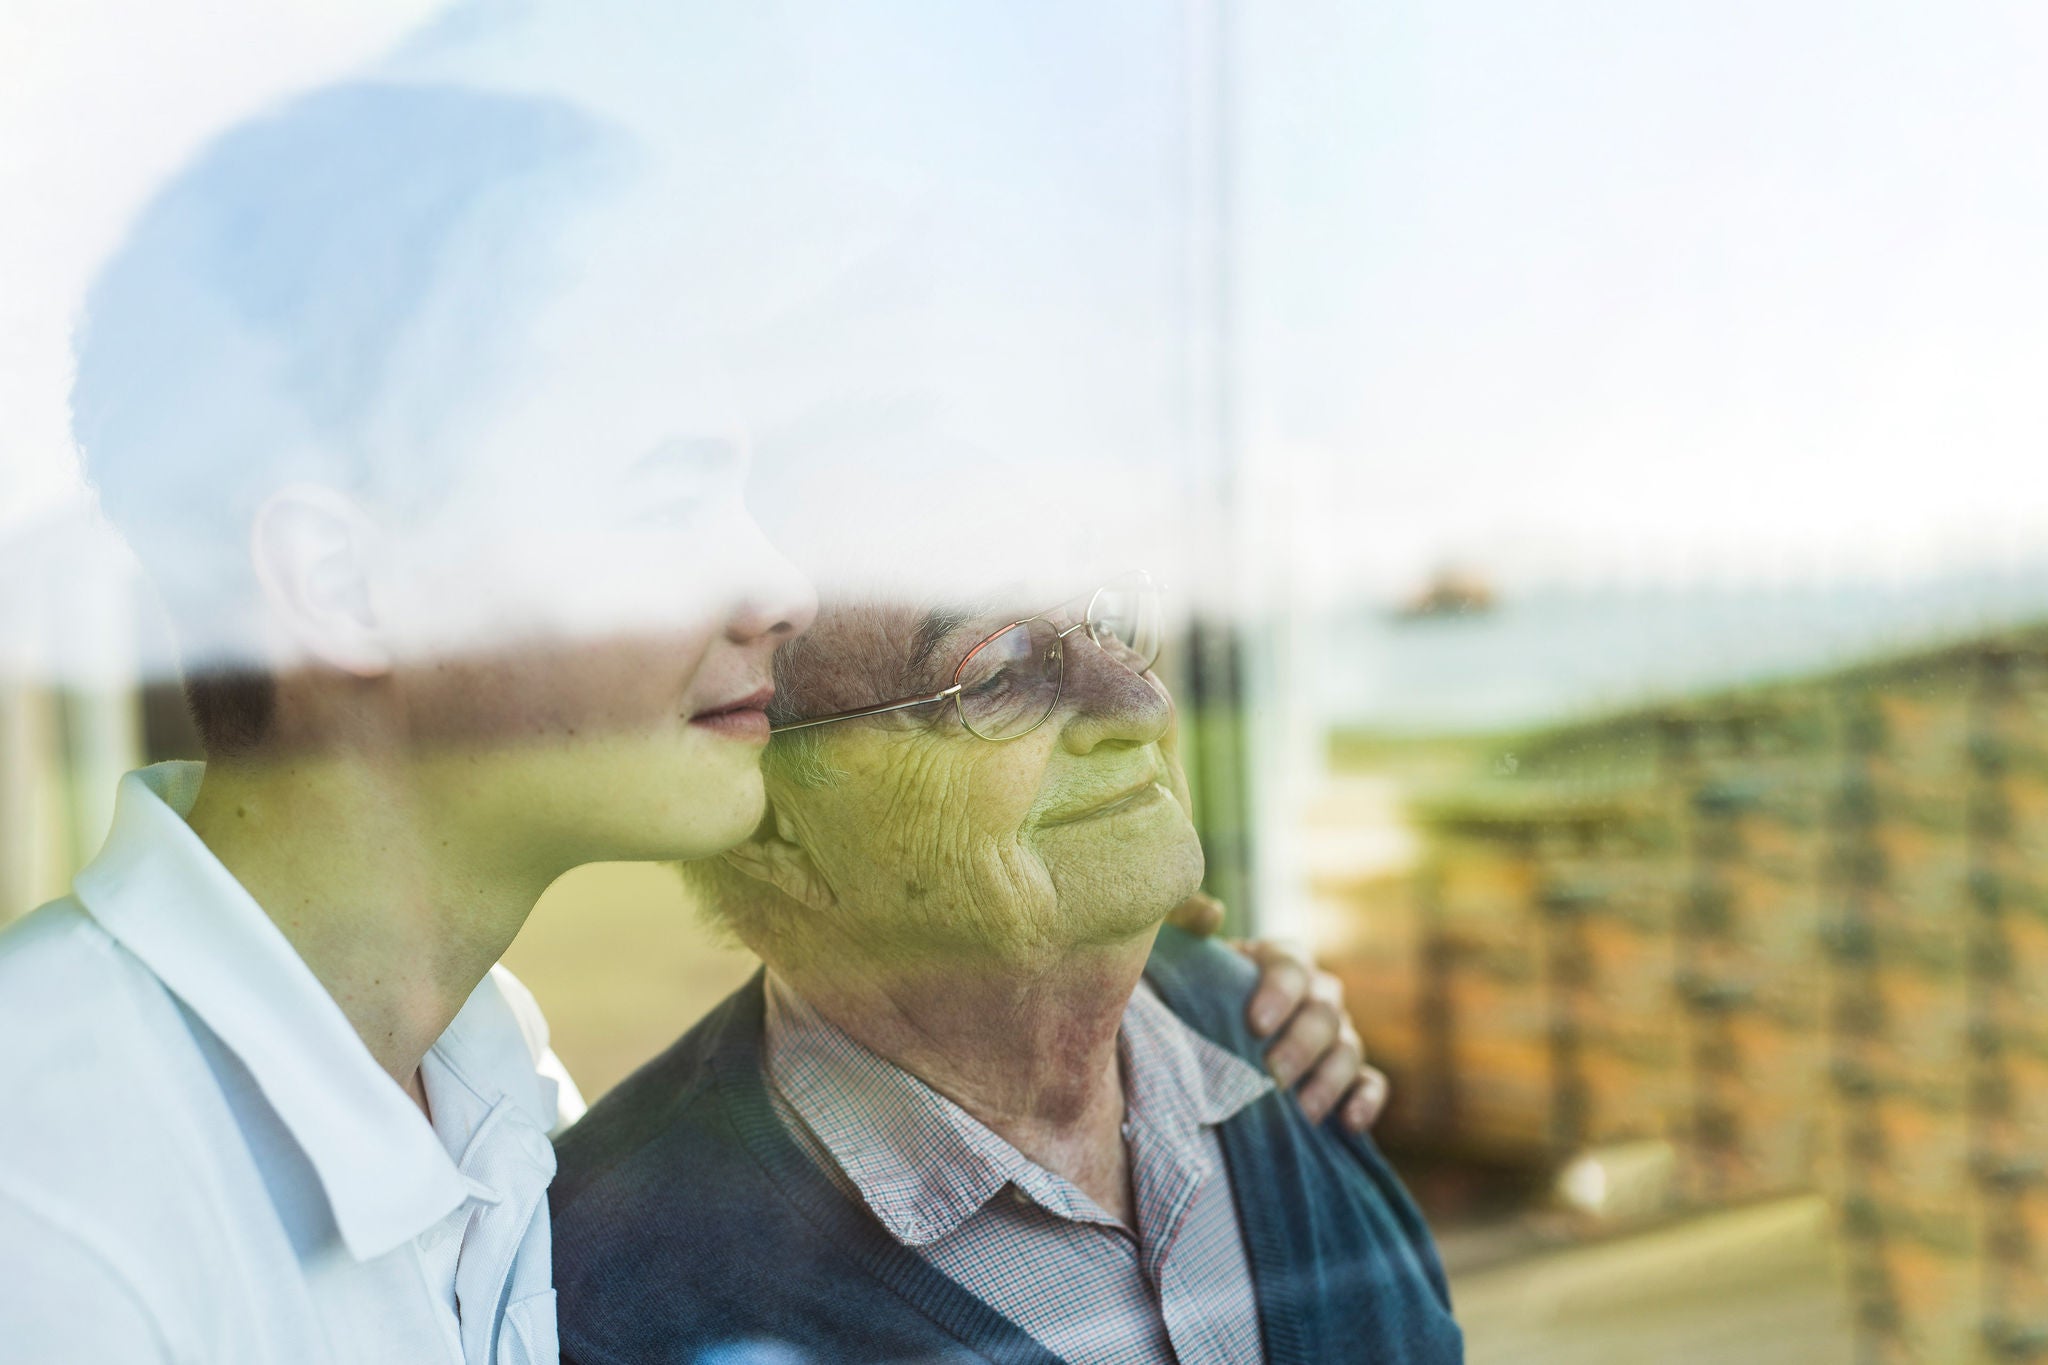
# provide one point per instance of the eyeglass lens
(1125, 620)
(1010, 682)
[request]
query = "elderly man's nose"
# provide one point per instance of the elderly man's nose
(1107, 702)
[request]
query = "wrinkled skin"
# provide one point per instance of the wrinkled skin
(936, 842)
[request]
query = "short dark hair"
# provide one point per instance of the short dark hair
(253, 329)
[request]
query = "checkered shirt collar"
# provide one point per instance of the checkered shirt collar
(923, 1165)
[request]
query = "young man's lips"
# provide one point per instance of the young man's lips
(743, 722)
(743, 718)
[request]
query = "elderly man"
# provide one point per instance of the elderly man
(959, 1116)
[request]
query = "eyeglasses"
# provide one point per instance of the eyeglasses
(1007, 685)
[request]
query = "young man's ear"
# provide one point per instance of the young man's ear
(777, 856)
(312, 549)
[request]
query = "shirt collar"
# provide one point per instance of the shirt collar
(1178, 1080)
(158, 890)
(923, 1165)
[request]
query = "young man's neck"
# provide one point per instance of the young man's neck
(397, 908)
(1030, 1052)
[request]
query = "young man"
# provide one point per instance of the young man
(467, 598)
(271, 1101)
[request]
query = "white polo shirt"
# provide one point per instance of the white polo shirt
(201, 1162)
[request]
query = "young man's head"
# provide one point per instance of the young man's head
(358, 389)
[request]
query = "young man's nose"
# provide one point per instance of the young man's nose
(1106, 702)
(774, 601)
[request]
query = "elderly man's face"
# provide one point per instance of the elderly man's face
(933, 839)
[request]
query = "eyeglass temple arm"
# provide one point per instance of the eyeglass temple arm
(952, 691)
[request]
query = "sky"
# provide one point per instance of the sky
(1652, 290)
(1578, 291)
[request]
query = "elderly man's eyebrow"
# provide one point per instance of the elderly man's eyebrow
(941, 623)
(938, 624)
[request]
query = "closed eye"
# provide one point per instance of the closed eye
(993, 683)
(674, 480)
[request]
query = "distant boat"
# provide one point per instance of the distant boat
(1451, 593)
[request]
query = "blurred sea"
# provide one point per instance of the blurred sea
(1550, 654)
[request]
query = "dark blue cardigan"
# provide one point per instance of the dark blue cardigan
(685, 1218)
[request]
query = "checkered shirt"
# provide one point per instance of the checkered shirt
(1028, 1242)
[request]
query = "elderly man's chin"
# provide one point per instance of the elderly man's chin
(1118, 875)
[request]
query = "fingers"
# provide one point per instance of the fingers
(1341, 1083)
(1316, 1028)
(1200, 915)
(1329, 1083)
(1316, 1044)
(1284, 978)
(1367, 1101)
